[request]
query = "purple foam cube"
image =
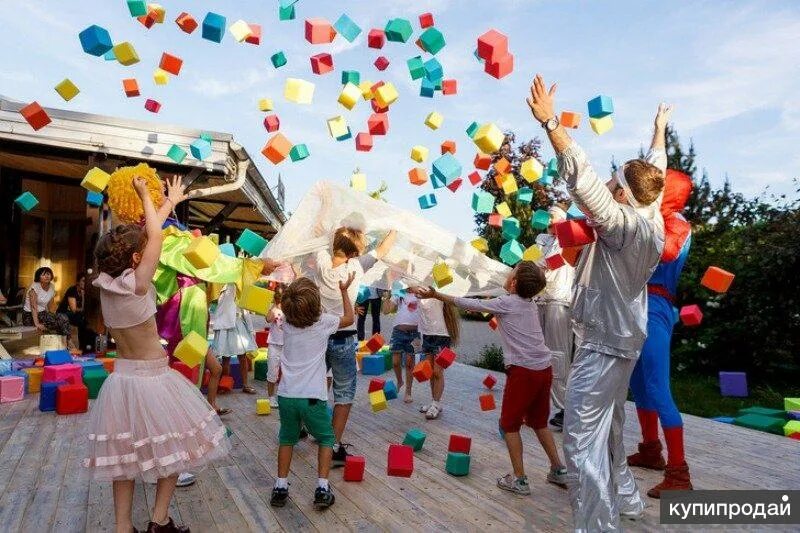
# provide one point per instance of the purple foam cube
(733, 384)
(794, 415)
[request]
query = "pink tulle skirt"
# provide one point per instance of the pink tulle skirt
(149, 421)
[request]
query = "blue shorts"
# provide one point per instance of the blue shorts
(433, 344)
(340, 358)
(402, 339)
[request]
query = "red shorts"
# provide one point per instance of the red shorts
(526, 398)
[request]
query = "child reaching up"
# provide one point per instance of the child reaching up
(526, 398)
(148, 420)
(276, 319)
(234, 335)
(302, 392)
(404, 336)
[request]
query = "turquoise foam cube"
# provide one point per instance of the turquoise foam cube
(88, 366)
(546, 180)
(278, 59)
(177, 154)
(347, 28)
(574, 212)
(472, 128)
(227, 249)
(286, 13)
(390, 389)
(201, 149)
(415, 438)
(600, 106)
(432, 40)
(110, 55)
(138, 8)
(206, 136)
(299, 152)
(351, 76)
(416, 67)
(540, 219)
(363, 294)
(482, 202)
(433, 69)
(251, 242)
(511, 228)
(398, 30)
(213, 27)
(552, 168)
(426, 201)
(372, 365)
(525, 195)
(457, 464)
(511, 252)
(344, 137)
(6, 367)
(96, 40)
(447, 168)
(94, 379)
(94, 199)
(427, 88)
(26, 201)
(724, 419)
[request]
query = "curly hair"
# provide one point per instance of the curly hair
(115, 249)
(301, 303)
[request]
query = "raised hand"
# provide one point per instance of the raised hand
(140, 186)
(343, 285)
(176, 192)
(423, 293)
(663, 115)
(541, 100)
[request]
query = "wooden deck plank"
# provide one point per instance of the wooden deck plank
(72, 510)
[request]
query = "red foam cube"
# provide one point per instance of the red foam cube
(170, 63)
(459, 443)
(322, 63)
(554, 261)
(455, 184)
(500, 68)
(496, 220)
(576, 232)
(186, 22)
(449, 87)
(448, 146)
(378, 124)
(381, 63)
(489, 381)
(445, 358)
(493, 323)
(225, 384)
(487, 402)
(376, 384)
(572, 254)
(272, 123)
(375, 343)
(152, 105)
(376, 38)
(192, 374)
(255, 34)
(400, 461)
(147, 20)
(319, 31)
(261, 338)
(691, 315)
(475, 177)
(482, 161)
(570, 119)
(716, 279)
(354, 467)
(423, 371)
(36, 116)
(364, 142)
(377, 108)
(492, 46)
(425, 20)
(72, 399)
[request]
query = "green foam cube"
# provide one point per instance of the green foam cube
(762, 411)
(138, 8)
(511, 228)
(94, 379)
(299, 152)
(251, 242)
(387, 361)
(351, 76)
(260, 369)
(286, 13)
(398, 30)
(767, 424)
(511, 252)
(540, 219)
(482, 202)
(525, 195)
(457, 464)
(176, 153)
(416, 67)
(415, 438)
(791, 404)
(278, 59)
(432, 40)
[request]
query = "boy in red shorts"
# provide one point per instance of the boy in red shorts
(526, 398)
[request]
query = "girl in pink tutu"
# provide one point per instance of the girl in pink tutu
(148, 420)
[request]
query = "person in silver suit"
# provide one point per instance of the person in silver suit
(609, 314)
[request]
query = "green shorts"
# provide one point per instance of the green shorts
(311, 413)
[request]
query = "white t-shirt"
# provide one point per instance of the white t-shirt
(431, 317)
(327, 279)
(407, 310)
(303, 359)
(43, 297)
(276, 327)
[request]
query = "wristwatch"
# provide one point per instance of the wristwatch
(550, 124)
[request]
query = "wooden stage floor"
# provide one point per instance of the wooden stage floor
(43, 486)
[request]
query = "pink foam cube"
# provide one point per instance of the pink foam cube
(71, 373)
(12, 388)
(152, 105)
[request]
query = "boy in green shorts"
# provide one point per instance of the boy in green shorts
(303, 391)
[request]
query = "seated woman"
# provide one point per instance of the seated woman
(39, 300)
(72, 305)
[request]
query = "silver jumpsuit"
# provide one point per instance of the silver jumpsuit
(609, 312)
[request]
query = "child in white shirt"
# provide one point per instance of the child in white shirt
(404, 337)
(275, 345)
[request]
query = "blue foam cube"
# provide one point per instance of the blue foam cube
(724, 419)
(372, 365)
(227, 249)
(57, 357)
(200, 149)
(426, 201)
(427, 88)
(6, 367)
(552, 168)
(110, 55)
(574, 212)
(138, 8)
(433, 70)
(446, 168)
(236, 373)
(525, 195)
(600, 106)
(47, 395)
(95, 40)
(347, 28)
(94, 199)
(390, 390)
(26, 201)
(213, 27)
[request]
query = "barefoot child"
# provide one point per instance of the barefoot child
(404, 334)
(148, 420)
(526, 397)
(275, 345)
(302, 392)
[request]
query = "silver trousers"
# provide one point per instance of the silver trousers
(557, 329)
(600, 483)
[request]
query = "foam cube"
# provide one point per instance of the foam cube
(94, 380)
(278, 59)
(186, 22)
(525, 195)
(767, 424)
(131, 87)
(170, 63)
(256, 299)
(364, 142)
(425, 20)
(272, 123)
(265, 104)
(492, 46)
(88, 366)
(475, 178)
(377, 399)
(240, 30)
(791, 404)
(390, 389)
(487, 402)
(319, 31)
(376, 384)
(47, 396)
(348, 29)
(570, 119)
(691, 315)
(503, 210)
(12, 388)
(375, 343)
(511, 228)
(299, 152)
(446, 168)
(152, 105)
(378, 124)
(191, 349)
(480, 244)
(432, 40)
(67, 90)
(214, 27)
(445, 358)
(286, 12)
(298, 91)
(262, 406)
(482, 161)
(733, 384)
(433, 70)
(68, 373)
(385, 95)
(531, 169)
(574, 233)
(201, 252)
(35, 115)
(600, 106)
(358, 182)
(434, 120)
(511, 252)
(137, 8)
(35, 375)
(95, 180)
(321, 63)
(372, 365)
(489, 381)
(95, 40)
(493, 323)
(376, 38)
(277, 148)
(126, 54)
(400, 461)
(381, 63)
(791, 427)
(108, 362)
(442, 275)
(457, 464)
(427, 201)
(762, 411)
(601, 125)
(459, 443)
(72, 399)
(251, 242)
(532, 253)
(160, 77)
(423, 371)
(414, 438)
(398, 30)
(26, 201)
(416, 67)
(350, 95)
(427, 88)
(353, 77)
(717, 279)
(354, 466)
(501, 68)
(488, 138)
(495, 220)
(540, 219)
(482, 201)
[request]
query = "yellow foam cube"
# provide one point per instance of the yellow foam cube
(298, 91)
(262, 406)
(349, 95)
(201, 252)
(256, 299)
(434, 120)
(480, 244)
(532, 253)
(489, 138)
(67, 90)
(385, 95)
(601, 125)
(509, 184)
(366, 89)
(442, 274)
(214, 238)
(192, 349)
(157, 11)
(358, 182)
(95, 180)
(161, 77)
(265, 104)
(531, 169)
(337, 126)
(126, 54)
(503, 209)
(35, 374)
(377, 400)
(240, 30)
(419, 153)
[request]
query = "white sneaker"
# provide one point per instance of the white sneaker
(273, 402)
(185, 479)
(433, 412)
(558, 477)
(517, 485)
(424, 408)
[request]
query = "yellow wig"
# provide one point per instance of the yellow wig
(122, 198)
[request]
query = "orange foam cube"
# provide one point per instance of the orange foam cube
(418, 176)
(570, 119)
(717, 280)
(423, 370)
(449, 146)
(186, 22)
(35, 115)
(131, 87)
(493, 323)
(502, 166)
(277, 148)
(482, 161)
(170, 63)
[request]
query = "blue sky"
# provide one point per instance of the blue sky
(732, 70)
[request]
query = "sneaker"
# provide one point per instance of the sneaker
(516, 485)
(558, 477)
(279, 497)
(558, 421)
(323, 498)
(424, 408)
(340, 456)
(273, 402)
(185, 479)
(433, 412)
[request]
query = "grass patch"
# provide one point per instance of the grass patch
(490, 358)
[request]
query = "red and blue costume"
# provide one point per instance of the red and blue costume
(650, 378)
